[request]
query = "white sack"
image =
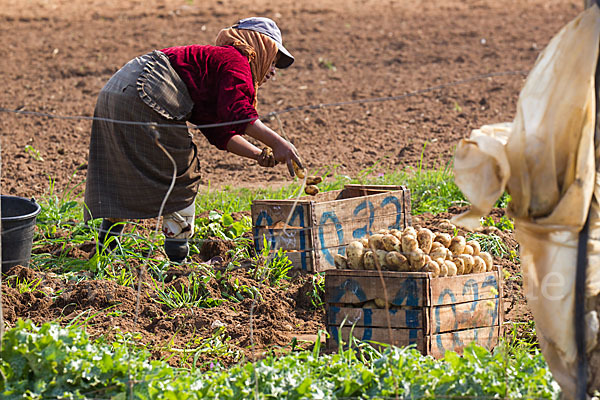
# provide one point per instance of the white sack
(545, 160)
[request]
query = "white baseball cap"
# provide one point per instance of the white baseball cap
(268, 27)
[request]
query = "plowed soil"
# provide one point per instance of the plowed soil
(376, 85)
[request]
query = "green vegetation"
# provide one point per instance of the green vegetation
(55, 362)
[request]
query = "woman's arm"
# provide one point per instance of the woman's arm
(240, 146)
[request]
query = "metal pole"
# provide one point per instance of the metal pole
(1, 310)
(582, 262)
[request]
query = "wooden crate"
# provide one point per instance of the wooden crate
(435, 314)
(323, 225)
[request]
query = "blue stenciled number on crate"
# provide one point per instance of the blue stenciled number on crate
(493, 311)
(457, 341)
(299, 214)
(408, 295)
(394, 200)
(263, 216)
(330, 215)
(259, 224)
(363, 231)
(470, 286)
(352, 286)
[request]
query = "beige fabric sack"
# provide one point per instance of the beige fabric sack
(545, 160)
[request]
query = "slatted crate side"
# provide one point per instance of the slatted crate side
(473, 314)
(404, 317)
(269, 213)
(291, 238)
(456, 341)
(352, 287)
(396, 337)
(302, 259)
(373, 206)
(403, 194)
(357, 190)
(463, 288)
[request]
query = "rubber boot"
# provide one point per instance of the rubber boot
(109, 230)
(177, 249)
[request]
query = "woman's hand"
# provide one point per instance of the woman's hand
(283, 151)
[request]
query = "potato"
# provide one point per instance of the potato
(443, 267)
(313, 180)
(468, 261)
(488, 260)
(457, 244)
(443, 238)
(396, 261)
(409, 230)
(438, 252)
(409, 244)
(369, 260)
(311, 190)
(364, 241)
(376, 242)
(354, 255)
(383, 231)
(475, 245)
(468, 250)
(390, 241)
(425, 239)
(449, 255)
(460, 265)
(432, 267)
(446, 224)
(340, 261)
(452, 268)
(380, 302)
(436, 245)
(478, 265)
(381, 258)
(397, 233)
(417, 259)
(300, 172)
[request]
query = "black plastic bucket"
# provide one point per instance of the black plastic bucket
(18, 226)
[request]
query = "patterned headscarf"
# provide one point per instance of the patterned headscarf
(260, 50)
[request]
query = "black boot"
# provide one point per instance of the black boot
(177, 249)
(109, 230)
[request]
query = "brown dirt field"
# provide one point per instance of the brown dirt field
(59, 54)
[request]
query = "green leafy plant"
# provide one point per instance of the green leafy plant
(22, 285)
(317, 290)
(222, 226)
(271, 267)
(504, 224)
(56, 362)
(33, 153)
(194, 294)
(217, 346)
(327, 64)
(493, 244)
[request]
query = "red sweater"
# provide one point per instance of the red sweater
(220, 84)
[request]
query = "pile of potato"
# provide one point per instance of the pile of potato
(413, 250)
